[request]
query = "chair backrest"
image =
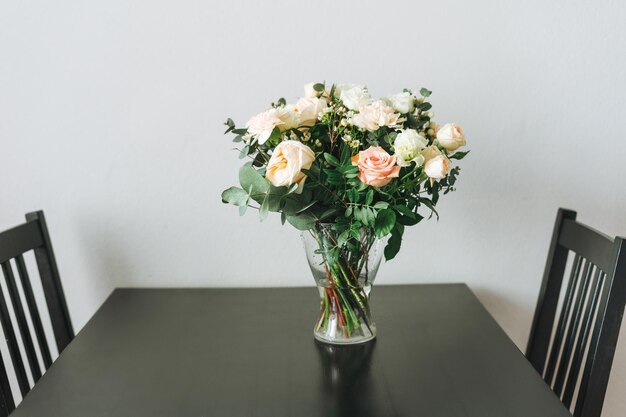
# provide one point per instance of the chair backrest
(32, 235)
(573, 351)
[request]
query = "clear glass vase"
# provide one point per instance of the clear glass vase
(344, 270)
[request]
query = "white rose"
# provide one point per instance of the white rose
(290, 117)
(451, 137)
(437, 167)
(403, 102)
(353, 96)
(288, 160)
(262, 125)
(309, 91)
(374, 116)
(309, 109)
(407, 147)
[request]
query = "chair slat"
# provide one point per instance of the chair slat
(573, 330)
(547, 302)
(557, 343)
(22, 325)
(51, 283)
(583, 338)
(9, 334)
(7, 403)
(34, 311)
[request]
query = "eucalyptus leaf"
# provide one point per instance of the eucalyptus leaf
(302, 221)
(251, 180)
(458, 155)
(235, 196)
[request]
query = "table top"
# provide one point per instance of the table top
(251, 352)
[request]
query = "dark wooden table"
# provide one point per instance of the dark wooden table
(251, 352)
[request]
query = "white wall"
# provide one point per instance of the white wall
(111, 112)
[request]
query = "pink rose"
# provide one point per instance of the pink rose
(376, 167)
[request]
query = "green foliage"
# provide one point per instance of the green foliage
(333, 193)
(458, 155)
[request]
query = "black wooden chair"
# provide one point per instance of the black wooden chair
(573, 351)
(32, 235)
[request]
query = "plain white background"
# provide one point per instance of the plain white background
(111, 119)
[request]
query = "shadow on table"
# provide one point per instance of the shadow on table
(347, 384)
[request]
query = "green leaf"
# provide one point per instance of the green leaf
(369, 197)
(393, 244)
(331, 159)
(231, 125)
(245, 151)
(381, 205)
(252, 181)
(425, 106)
(264, 209)
(385, 221)
(425, 92)
(458, 155)
(235, 196)
(318, 87)
(302, 221)
(328, 213)
(275, 136)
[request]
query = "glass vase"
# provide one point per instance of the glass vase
(344, 269)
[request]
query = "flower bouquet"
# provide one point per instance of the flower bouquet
(351, 173)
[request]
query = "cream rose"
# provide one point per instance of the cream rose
(285, 166)
(451, 137)
(376, 167)
(408, 146)
(437, 167)
(403, 102)
(290, 117)
(430, 152)
(262, 125)
(311, 92)
(375, 115)
(353, 96)
(309, 108)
